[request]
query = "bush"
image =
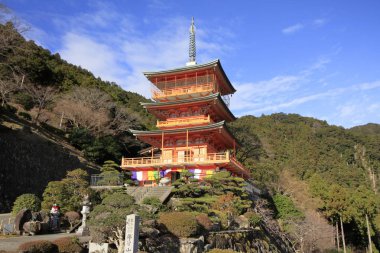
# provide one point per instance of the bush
(254, 218)
(28, 201)
(52, 129)
(204, 221)
(9, 109)
(221, 251)
(68, 245)
(25, 100)
(73, 218)
(153, 201)
(25, 115)
(286, 208)
(180, 224)
(41, 246)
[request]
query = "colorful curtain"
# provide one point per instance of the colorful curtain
(154, 175)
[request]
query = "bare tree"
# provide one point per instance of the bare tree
(86, 107)
(9, 85)
(122, 120)
(41, 95)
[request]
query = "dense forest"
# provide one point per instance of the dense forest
(338, 168)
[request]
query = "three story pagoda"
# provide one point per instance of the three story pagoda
(191, 105)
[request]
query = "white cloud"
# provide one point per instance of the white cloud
(292, 29)
(273, 94)
(97, 57)
(368, 86)
(113, 47)
(319, 22)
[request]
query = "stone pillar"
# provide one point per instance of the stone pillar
(132, 233)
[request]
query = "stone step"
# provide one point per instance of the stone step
(140, 193)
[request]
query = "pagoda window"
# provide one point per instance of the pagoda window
(199, 154)
(181, 156)
(167, 155)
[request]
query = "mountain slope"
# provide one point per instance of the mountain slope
(368, 129)
(330, 162)
(30, 158)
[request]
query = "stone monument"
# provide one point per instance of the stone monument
(83, 230)
(132, 234)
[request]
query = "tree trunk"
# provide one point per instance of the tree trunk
(343, 240)
(337, 235)
(369, 235)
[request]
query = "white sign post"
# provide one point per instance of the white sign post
(132, 234)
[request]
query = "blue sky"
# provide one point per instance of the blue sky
(315, 58)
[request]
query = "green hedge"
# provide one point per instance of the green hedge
(180, 224)
(40, 246)
(69, 245)
(28, 201)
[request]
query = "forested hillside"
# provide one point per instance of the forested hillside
(93, 114)
(52, 114)
(339, 167)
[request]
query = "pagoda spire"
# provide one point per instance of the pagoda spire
(192, 49)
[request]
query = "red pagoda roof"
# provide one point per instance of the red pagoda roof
(227, 87)
(225, 137)
(217, 103)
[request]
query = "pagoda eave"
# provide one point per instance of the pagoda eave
(191, 68)
(216, 102)
(154, 137)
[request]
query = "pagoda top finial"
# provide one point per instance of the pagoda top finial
(192, 49)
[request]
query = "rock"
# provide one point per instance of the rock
(207, 247)
(191, 245)
(23, 216)
(241, 222)
(32, 227)
(149, 232)
(149, 223)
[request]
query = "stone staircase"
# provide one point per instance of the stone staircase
(140, 193)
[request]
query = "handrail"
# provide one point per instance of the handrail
(196, 88)
(184, 81)
(206, 158)
(184, 121)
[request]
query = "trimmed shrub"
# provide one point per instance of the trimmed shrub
(153, 201)
(69, 245)
(180, 224)
(28, 201)
(73, 218)
(204, 221)
(25, 115)
(222, 217)
(9, 109)
(53, 129)
(222, 251)
(25, 100)
(254, 218)
(41, 246)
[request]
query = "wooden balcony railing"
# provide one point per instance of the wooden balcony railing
(183, 90)
(197, 120)
(176, 160)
